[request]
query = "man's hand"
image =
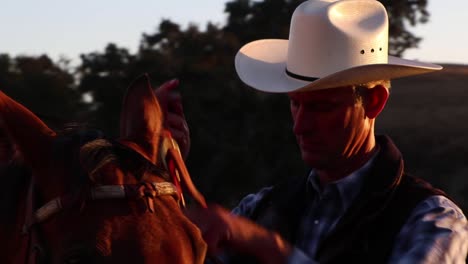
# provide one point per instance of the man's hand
(174, 119)
(222, 230)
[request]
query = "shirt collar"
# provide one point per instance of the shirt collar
(348, 187)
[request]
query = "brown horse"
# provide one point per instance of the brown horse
(91, 199)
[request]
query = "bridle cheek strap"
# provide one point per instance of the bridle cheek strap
(34, 251)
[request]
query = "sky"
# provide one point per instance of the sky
(64, 28)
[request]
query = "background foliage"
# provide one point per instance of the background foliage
(241, 139)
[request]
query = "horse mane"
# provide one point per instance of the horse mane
(15, 175)
(97, 153)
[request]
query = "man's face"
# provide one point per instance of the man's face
(330, 125)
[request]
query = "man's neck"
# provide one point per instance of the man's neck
(348, 165)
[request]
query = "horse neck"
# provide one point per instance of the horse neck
(15, 179)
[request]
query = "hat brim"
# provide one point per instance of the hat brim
(261, 64)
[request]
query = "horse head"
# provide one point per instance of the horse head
(96, 199)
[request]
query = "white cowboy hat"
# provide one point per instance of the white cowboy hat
(331, 44)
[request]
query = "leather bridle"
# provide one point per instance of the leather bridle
(145, 190)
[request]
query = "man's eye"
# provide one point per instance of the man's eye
(323, 107)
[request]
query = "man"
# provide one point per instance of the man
(357, 205)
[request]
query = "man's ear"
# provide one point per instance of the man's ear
(375, 100)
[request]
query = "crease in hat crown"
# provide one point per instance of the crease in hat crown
(339, 39)
(330, 42)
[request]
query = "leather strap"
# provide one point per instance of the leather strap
(150, 190)
(34, 251)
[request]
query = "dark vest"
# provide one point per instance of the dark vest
(366, 233)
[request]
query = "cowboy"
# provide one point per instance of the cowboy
(357, 204)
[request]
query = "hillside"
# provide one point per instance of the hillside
(427, 117)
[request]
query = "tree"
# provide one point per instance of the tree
(401, 14)
(104, 78)
(42, 86)
(254, 20)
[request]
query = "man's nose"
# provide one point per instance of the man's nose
(301, 122)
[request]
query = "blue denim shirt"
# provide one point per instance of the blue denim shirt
(435, 232)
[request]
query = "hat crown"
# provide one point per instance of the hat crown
(332, 43)
(327, 36)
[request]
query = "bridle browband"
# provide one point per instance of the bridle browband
(146, 190)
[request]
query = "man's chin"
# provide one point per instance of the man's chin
(314, 160)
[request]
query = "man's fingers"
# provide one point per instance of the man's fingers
(168, 86)
(170, 101)
(176, 121)
(175, 104)
(180, 137)
(169, 98)
(178, 127)
(167, 94)
(212, 240)
(199, 216)
(212, 226)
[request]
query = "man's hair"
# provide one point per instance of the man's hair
(360, 90)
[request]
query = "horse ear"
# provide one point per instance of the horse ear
(31, 136)
(141, 119)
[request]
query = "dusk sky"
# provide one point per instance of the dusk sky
(69, 28)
